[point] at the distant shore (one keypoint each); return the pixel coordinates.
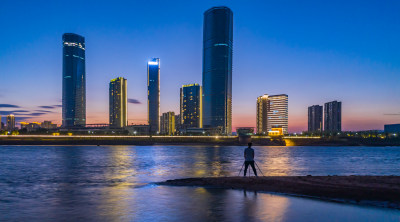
(193, 140)
(380, 191)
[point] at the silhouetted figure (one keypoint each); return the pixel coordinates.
(249, 159)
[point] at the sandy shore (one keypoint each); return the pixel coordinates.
(382, 191)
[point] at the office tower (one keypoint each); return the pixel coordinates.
(168, 123)
(272, 114)
(191, 106)
(118, 103)
(10, 122)
(262, 115)
(153, 95)
(315, 118)
(217, 69)
(74, 81)
(333, 116)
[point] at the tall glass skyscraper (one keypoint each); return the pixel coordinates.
(118, 103)
(74, 81)
(153, 94)
(217, 69)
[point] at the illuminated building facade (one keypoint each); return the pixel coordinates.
(272, 114)
(118, 103)
(74, 81)
(153, 95)
(333, 117)
(168, 123)
(191, 106)
(217, 69)
(262, 115)
(10, 122)
(315, 118)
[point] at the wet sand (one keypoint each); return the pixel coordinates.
(382, 191)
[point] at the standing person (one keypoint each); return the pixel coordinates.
(249, 159)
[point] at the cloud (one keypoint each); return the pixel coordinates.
(43, 111)
(50, 107)
(13, 112)
(36, 114)
(134, 101)
(8, 106)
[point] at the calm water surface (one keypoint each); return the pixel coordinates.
(114, 183)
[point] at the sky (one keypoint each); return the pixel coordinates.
(314, 51)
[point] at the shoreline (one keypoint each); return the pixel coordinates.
(377, 191)
(192, 140)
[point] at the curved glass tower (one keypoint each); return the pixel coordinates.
(74, 81)
(217, 69)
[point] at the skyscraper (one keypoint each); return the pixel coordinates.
(10, 122)
(315, 118)
(118, 107)
(168, 123)
(272, 114)
(333, 116)
(262, 114)
(74, 81)
(191, 106)
(217, 69)
(153, 94)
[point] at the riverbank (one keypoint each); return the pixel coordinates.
(193, 140)
(381, 191)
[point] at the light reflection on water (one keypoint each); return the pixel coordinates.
(111, 183)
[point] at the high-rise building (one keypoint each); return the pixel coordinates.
(262, 114)
(315, 118)
(74, 81)
(168, 123)
(118, 103)
(272, 114)
(153, 95)
(191, 106)
(10, 122)
(333, 116)
(217, 69)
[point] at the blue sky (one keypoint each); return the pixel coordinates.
(314, 51)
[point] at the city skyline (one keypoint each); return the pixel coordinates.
(358, 67)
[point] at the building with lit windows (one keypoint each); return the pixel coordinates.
(262, 115)
(272, 114)
(74, 81)
(10, 122)
(168, 123)
(333, 117)
(217, 69)
(153, 95)
(191, 106)
(118, 103)
(315, 119)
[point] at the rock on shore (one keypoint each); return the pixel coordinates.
(383, 191)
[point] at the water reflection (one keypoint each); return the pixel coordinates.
(111, 183)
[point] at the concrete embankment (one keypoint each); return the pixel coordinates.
(382, 191)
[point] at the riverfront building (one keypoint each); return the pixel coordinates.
(168, 123)
(153, 95)
(191, 106)
(217, 69)
(74, 81)
(272, 114)
(10, 122)
(118, 103)
(333, 116)
(315, 118)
